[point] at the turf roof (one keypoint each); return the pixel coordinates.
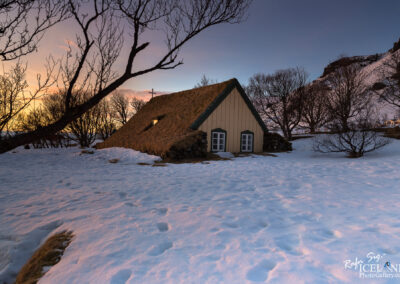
(178, 114)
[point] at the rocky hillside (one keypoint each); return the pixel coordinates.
(370, 64)
(373, 67)
(346, 61)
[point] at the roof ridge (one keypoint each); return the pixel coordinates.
(198, 88)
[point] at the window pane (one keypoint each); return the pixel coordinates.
(215, 135)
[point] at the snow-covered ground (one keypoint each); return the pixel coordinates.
(295, 218)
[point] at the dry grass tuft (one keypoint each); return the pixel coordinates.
(266, 154)
(113, 161)
(158, 164)
(90, 152)
(202, 160)
(49, 254)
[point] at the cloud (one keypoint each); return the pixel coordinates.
(68, 45)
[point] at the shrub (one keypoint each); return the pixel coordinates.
(355, 143)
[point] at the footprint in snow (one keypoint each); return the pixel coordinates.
(160, 249)
(162, 211)
(163, 227)
(121, 277)
(130, 204)
(122, 195)
(260, 272)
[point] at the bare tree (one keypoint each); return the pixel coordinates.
(279, 97)
(120, 107)
(100, 38)
(106, 125)
(356, 141)
(23, 23)
(85, 127)
(15, 94)
(390, 80)
(205, 81)
(351, 111)
(35, 118)
(12, 99)
(315, 113)
(137, 104)
(349, 95)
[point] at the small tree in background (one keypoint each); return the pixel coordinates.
(137, 104)
(119, 104)
(280, 97)
(349, 96)
(107, 124)
(315, 113)
(84, 128)
(389, 90)
(355, 142)
(352, 116)
(205, 81)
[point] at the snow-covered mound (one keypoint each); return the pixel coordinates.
(226, 155)
(125, 156)
(295, 218)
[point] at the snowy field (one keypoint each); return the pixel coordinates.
(295, 218)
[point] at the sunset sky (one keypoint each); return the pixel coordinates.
(276, 35)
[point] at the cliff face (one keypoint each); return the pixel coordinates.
(370, 65)
(346, 61)
(374, 68)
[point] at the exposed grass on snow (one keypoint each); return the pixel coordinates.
(393, 132)
(208, 157)
(49, 254)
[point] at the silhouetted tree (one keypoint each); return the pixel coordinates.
(315, 113)
(280, 97)
(390, 78)
(205, 81)
(349, 95)
(89, 68)
(107, 124)
(357, 140)
(120, 107)
(12, 98)
(23, 23)
(137, 104)
(85, 127)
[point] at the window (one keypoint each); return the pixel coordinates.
(246, 142)
(218, 140)
(154, 121)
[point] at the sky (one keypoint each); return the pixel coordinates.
(277, 34)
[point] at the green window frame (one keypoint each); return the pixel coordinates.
(247, 141)
(218, 140)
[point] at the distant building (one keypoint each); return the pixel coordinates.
(214, 118)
